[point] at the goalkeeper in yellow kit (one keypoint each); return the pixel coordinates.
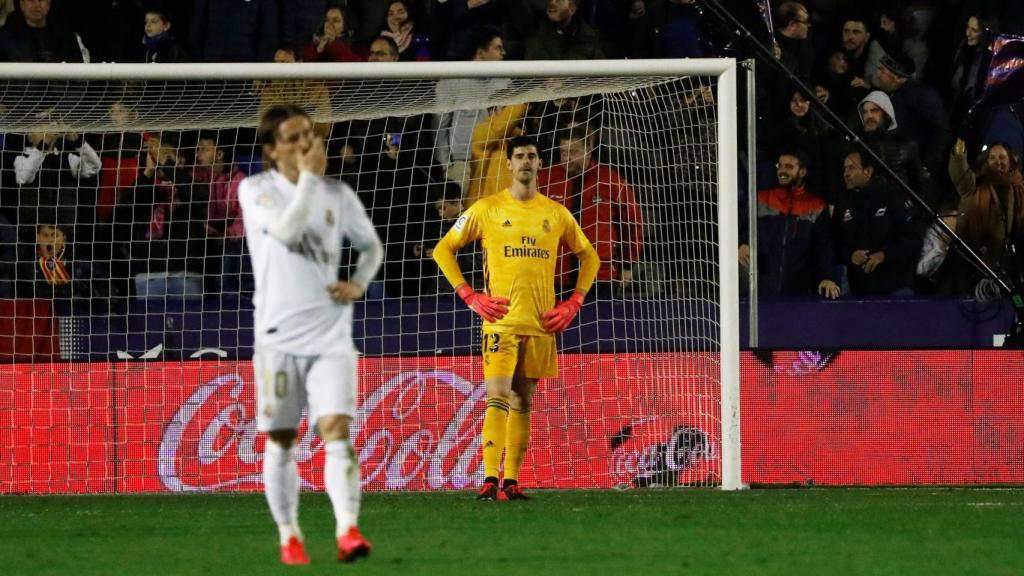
(520, 231)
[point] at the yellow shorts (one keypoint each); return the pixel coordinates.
(523, 356)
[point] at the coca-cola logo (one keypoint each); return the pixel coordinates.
(655, 451)
(418, 430)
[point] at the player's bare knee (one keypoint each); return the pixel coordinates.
(520, 402)
(283, 438)
(500, 387)
(522, 390)
(335, 427)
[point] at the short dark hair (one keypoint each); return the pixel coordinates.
(800, 156)
(160, 9)
(866, 161)
(521, 141)
(480, 38)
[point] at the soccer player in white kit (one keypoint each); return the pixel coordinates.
(295, 222)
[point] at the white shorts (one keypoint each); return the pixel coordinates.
(286, 384)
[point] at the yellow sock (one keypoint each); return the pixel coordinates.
(493, 437)
(516, 441)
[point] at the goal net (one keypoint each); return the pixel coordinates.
(125, 309)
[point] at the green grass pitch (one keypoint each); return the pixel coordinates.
(777, 531)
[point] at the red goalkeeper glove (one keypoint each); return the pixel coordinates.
(559, 317)
(490, 308)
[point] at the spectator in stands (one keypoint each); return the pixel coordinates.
(401, 26)
(901, 154)
(310, 95)
(56, 178)
(804, 130)
(795, 256)
(797, 53)
(446, 199)
(234, 30)
(52, 271)
(992, 203)
(896, 35)
(836, 78)
(454, 130)
(159, 45)
(33, 36)
(875, 234)
(224, 225)
(120, 155)
(169, 212)
(557, 34)
(488, 167)
(331, 41)
(383, 49)
(119, 158)
(604, 205)
(919, 108)
(856, 39)
(936, 272)
(549, 118)
(970, 65)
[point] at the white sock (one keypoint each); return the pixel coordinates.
(281, 485)
(341, 478)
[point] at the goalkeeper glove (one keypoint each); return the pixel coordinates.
(490, 308)
(559, 317)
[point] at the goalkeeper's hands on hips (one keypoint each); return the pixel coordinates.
(490, 308)
(559, 317)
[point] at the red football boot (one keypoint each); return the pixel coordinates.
(514, 492)
(352, 545)
(294, 552)
(490, 491)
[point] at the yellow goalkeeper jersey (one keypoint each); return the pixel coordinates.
(520, 241)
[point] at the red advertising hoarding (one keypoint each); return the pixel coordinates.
(850, 418)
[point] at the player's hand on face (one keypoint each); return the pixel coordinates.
(313, 159)
(346, 292)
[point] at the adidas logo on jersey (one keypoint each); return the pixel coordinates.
(507, 224)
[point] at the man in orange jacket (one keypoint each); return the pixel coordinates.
(605, 206)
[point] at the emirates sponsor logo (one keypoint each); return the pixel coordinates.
(420, 429)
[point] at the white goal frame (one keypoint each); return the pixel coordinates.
(723, 69)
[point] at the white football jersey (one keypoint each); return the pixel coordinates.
(294, 312)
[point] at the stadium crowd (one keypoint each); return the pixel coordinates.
(88, 215)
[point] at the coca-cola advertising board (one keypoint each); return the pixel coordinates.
(608, 420)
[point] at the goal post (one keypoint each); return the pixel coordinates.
(650, 373)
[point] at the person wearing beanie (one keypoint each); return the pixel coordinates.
(919, 108)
